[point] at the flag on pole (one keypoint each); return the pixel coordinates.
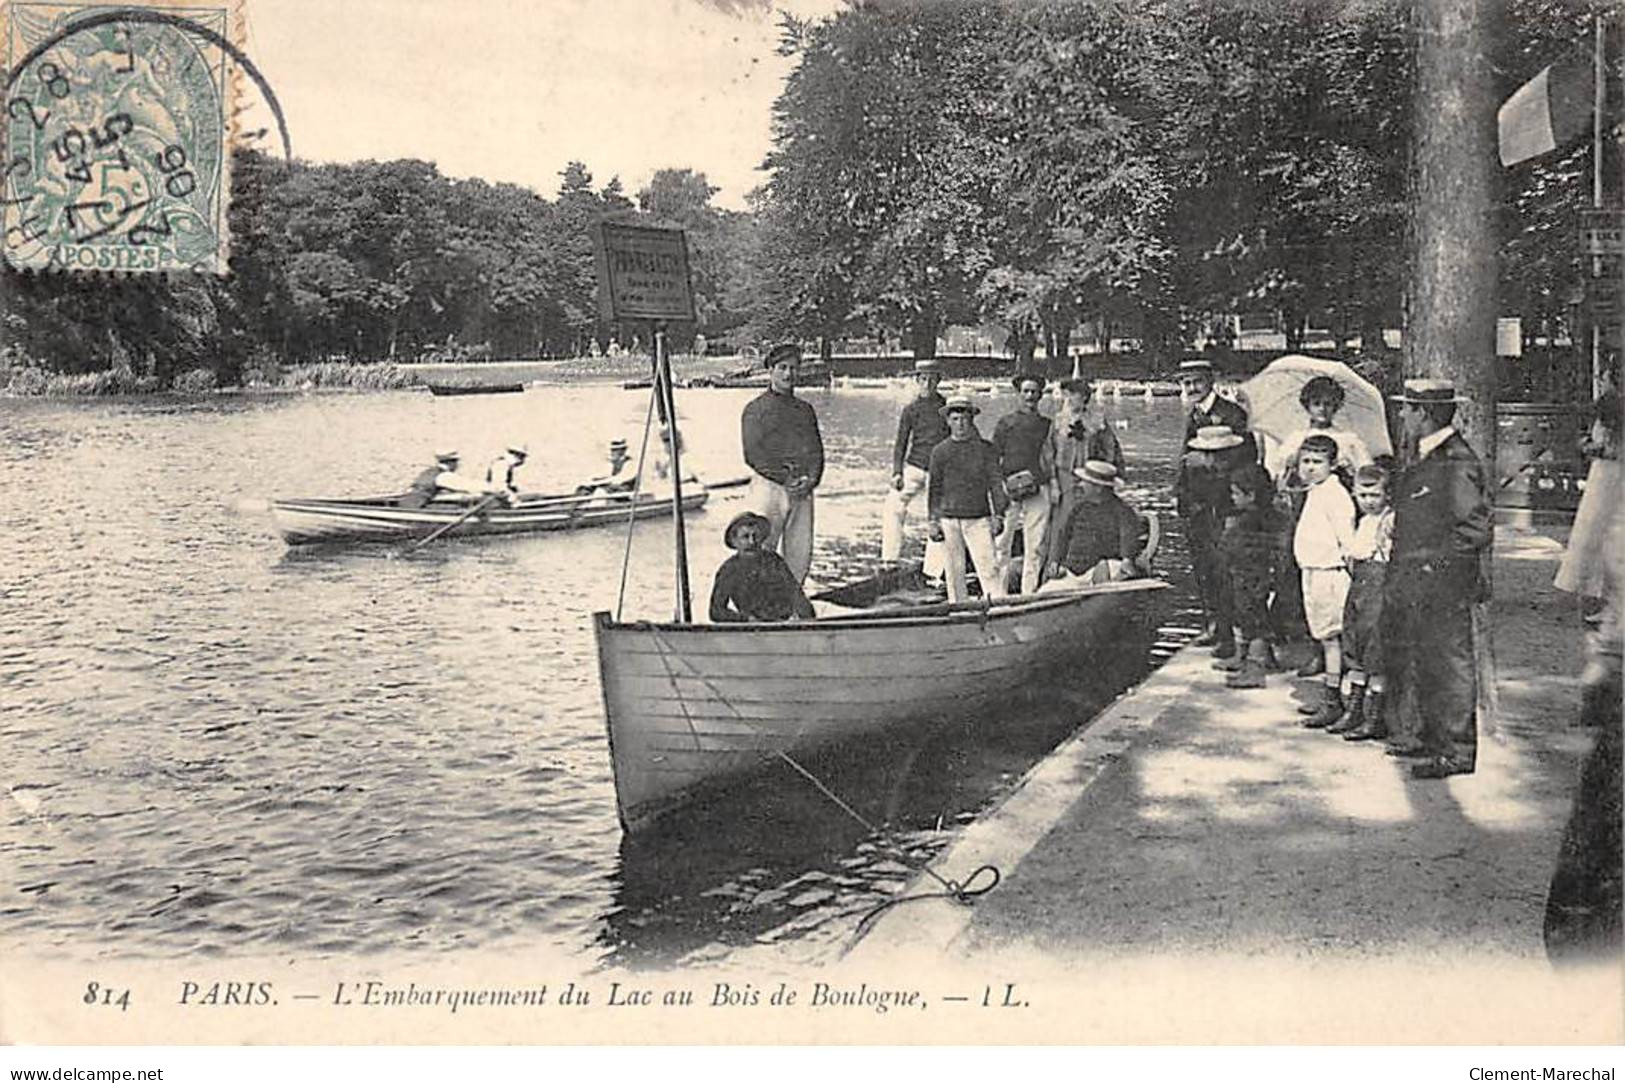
(1549, 110)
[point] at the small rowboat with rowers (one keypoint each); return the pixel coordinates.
(382, 518)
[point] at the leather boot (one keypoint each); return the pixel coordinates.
(1375, 726)
(1232, 664)
(1316, 664)
(1249, 674)
(1353, 714)
(1225, 647)
(1330, 710)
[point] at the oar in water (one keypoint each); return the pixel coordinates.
(459, 521)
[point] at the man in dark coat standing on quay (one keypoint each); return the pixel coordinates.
(1442, 521)
(785, 452)
(1209, 409)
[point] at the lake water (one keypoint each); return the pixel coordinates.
(218, 745)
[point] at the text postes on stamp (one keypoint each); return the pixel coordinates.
(117, 137)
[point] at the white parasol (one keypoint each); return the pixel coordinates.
(1274, 409)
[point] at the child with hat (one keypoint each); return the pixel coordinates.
(1250, 553)
(755, 584)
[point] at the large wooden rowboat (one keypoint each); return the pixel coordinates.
(302, 522)
(690, 706)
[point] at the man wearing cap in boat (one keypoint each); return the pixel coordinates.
(1101, 535)
(1442, 521)
(1080, 433)
(920, 428)
(966, 501)
(1202, 496)
(500, 473)
(785, 453)
(755, 584)
(1027, 464)
(623, 472)
(442, 481)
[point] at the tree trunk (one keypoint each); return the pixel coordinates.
(922, 334)
(1451, 328)
(1022, 343)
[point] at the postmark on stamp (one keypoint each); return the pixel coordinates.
(117, 137)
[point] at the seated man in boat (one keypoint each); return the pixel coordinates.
(623, 472)
(500, 472)
(442, 481)
(1101, 536)
(755, 584)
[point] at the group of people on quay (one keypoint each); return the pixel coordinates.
(1379, 565)
(1295, 533)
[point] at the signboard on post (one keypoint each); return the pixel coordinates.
(1602, 233)
(643, 273)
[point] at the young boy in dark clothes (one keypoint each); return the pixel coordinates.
(755, 584)
(1362, 613)
(1251, 552)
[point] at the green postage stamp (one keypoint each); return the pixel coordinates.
(117, 136)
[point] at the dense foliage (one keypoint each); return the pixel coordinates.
(1152, 166)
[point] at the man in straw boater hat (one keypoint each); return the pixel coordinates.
(1202, 497)
(1101, 535)
(1442, 530)
(1208, 406)
(920, 428)
(623, 472)
(966, 501)
(1208, 410)
(755, 584)
(1027, 464)
(500, 472)
(785, 453)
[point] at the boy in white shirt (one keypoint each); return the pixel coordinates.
(1321, 545)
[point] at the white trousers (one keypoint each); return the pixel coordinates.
(896, 514)
(975, 535)
(790, 521)
(1032, 514)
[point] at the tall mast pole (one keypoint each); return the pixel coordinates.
(667, 401)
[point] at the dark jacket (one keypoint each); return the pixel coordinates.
(423, 488)
(1442, 518)
(920, 428)
(965, 481)
(781, 438)
(1224, 412)
(1106, 530)
(757, 586)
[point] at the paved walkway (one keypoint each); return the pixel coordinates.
(1194, 823)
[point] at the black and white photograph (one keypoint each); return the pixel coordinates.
(812, 523)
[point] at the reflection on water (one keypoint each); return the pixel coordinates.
(217, 745)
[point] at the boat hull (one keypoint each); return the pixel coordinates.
(307, 522)
(475, 389)
(690, 706)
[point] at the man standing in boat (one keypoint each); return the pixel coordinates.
(1026, 460)
(785, 453)
(965, 495)
(920, 428)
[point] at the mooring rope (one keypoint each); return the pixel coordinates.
(632, 509)
(960, 891)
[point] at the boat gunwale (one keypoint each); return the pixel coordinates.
(890, 618)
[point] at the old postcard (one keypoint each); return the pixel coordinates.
(730, 522)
